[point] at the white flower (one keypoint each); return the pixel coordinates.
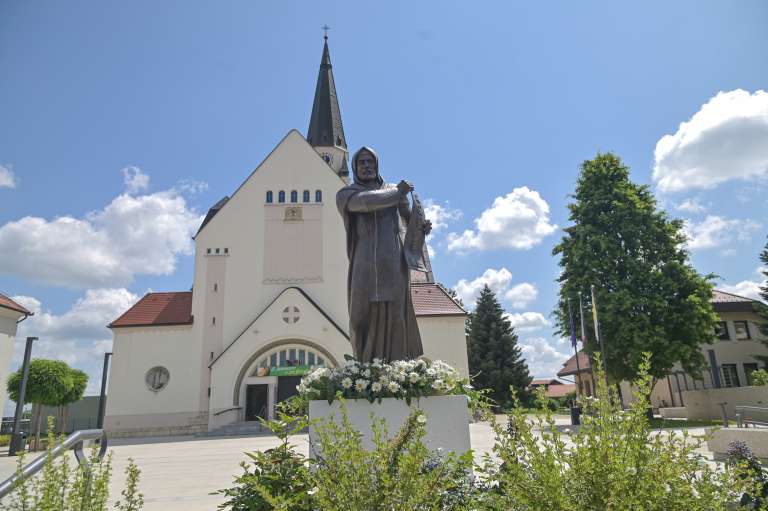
(346, 383)
(421, 419)
(367, 373)
(393, 387)
(431, 371)
(376, 386)
(360, 384)
(437, 384)
(414, 377)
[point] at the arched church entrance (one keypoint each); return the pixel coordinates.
(271, 375)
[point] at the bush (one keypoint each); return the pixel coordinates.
(614, 462)
(61, 487)
(760, 377)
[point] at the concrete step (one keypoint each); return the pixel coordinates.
(237, 429)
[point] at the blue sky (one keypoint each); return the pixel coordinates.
(471, 101)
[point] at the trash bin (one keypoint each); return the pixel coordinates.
(575, 415)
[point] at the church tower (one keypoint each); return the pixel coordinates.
(326, 133)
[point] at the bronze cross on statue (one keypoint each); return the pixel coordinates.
(325, 28)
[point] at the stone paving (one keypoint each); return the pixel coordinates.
(179, 474)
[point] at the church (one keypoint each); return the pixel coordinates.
(269, 298)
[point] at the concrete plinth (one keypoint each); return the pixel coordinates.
(755, 438)
(447, 425)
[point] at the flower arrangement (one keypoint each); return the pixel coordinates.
(402, 379)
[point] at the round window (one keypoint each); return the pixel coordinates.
(157, 378)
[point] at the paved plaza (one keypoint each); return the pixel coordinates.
(179, 474)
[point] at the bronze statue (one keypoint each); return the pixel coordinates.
(382, 322)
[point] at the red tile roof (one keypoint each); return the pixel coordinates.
(561, 390)
(725, 297)
(7, 303)
(429, 299)
(545, 381)
(569, 367)
(157, 309)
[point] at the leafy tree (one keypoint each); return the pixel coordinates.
(48, 384)
(79, 381)
(494, 356)
(762, 308)
(650, 298)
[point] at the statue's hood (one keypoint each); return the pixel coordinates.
(354, 165)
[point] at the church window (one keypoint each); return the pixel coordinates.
(157, 378)
(281, 196)
(320, 361)
(213, 321)
(291, 314)
(273, 359)
(226, 251)
(218, 250)
(215, 287)
(269, 197)
(305, 197)
(318, 196)
(282, 358)
(292, 357)
(302, 357)
(311, 358)
(208, 251)
(294, 196)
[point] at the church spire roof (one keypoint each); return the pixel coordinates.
(325, 128)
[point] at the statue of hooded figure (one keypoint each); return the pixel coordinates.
(382, 322)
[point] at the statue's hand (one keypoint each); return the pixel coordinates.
(427, 227)
(404, 187)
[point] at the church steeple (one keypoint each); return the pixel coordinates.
(326, 132)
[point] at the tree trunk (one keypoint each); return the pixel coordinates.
(38, 418)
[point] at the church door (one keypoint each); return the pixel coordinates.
(256, 401)
(286, 387)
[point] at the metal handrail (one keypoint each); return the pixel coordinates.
(74, 441)
(231, 409)
(742, 422)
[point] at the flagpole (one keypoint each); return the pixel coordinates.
(603, 354)
(575, 344)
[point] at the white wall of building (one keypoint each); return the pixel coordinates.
(131, 403)
(443, 339)
(8, 325)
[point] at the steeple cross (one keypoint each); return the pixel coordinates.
(325, 28)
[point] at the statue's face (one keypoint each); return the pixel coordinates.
(366, 167)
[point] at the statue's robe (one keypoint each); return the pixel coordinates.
(382, 322)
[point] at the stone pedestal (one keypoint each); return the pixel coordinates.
(447, 425)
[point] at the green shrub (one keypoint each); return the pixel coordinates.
(613, 462)
(60, 486)
(760, 377)
(5, 440)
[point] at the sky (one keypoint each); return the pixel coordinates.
(121, 123)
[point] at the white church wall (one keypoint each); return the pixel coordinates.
(8, 325)
(270, 330)
(443, 339)
(240, 227)
(131, 403)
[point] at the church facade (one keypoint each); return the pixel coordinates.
(268, 301)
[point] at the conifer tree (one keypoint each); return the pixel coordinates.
(494, 356)
(762, 308)
(650, 298)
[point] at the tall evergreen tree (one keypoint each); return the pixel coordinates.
(494, 355)
(650, 298)
(762, 308)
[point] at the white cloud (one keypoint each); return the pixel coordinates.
(692, 206)
(521, 295)
(499, 281)
(133, 235)
(78, 336)
(519, 220)
(748, 288)
(544, 360)
(135, 180)
(528, 321)
(717, 232)
(7, 177)
(440, 215)
(726, 139)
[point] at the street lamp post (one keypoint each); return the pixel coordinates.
(17, 442)
(103, 395)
